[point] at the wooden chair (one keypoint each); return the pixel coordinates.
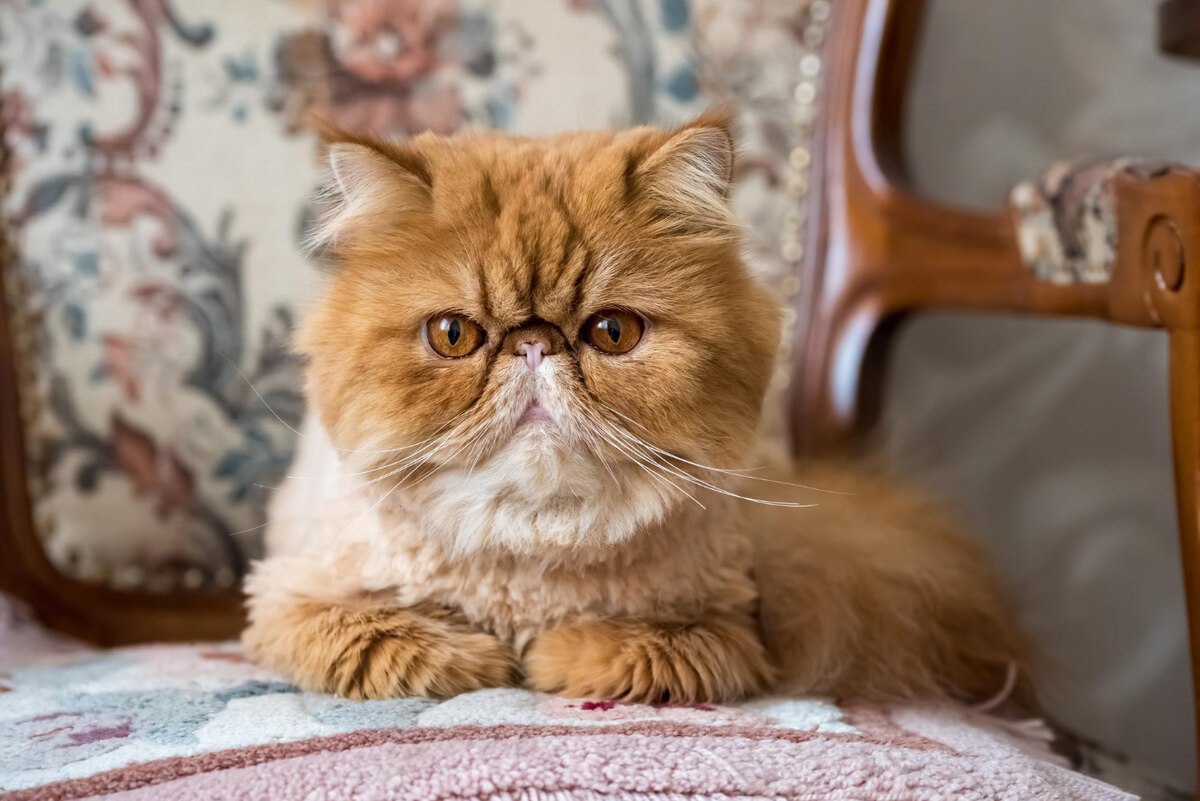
(879, 251)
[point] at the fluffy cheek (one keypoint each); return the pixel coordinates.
(685, 395)
(387, 394)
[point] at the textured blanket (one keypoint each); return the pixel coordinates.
(199, 722)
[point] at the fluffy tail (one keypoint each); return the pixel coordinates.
(874, 593)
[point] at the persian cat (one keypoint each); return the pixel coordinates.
(531, 367)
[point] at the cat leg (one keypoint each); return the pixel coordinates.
(360, 646)
(714, 659)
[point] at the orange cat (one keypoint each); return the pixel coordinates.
(530, 361)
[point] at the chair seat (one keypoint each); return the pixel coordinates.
(200, 721)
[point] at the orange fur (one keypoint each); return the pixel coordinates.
(368, 649)
(574, 542)
(876, 593)
(712, 659)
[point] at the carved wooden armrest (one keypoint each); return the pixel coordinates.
(1128, 226)
(877, 250)
(1067, 221)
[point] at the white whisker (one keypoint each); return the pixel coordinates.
(636, 442)
(376, 469)
(438, 467)
(647, 467)
(738, 473)
(254, 389)
(285, 424)
(248, 530)
(599, 455)
(371, 508)
(412, 460)
(401, 480)
(436, 431)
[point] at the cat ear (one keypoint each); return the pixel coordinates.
(366, 175)
(370, 182)
(691, 173)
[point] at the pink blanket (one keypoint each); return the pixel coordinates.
(199, 721)
(633, 760)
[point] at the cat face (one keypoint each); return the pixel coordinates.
(527, 341)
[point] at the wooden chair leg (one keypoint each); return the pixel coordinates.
(1185, 418)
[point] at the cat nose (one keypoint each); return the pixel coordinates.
(533, 353)
(535, 342)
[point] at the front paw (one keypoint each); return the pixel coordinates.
(717, 660)
(365, 651)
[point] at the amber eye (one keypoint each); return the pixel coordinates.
(453, 335)
(613, 331)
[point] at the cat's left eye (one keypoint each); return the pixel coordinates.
(453, 336)
(613, 331)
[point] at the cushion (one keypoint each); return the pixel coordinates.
(1066, 220)
(162, 164)
(179, 722)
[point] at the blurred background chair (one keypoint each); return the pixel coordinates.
(158, 168)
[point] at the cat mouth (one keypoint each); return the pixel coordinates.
(535, 413)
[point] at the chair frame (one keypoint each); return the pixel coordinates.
(880, 251)
(93, 612)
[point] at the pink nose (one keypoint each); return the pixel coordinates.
(535, 342)
(533, 353)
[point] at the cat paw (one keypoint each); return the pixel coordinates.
(374, 652)
(718, 660)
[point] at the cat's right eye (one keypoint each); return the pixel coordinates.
(453, 336)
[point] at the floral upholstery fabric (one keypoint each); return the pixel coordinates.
(162, 160)
(1066, 223)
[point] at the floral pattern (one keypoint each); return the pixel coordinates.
(163, 158)
(1066, 223)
